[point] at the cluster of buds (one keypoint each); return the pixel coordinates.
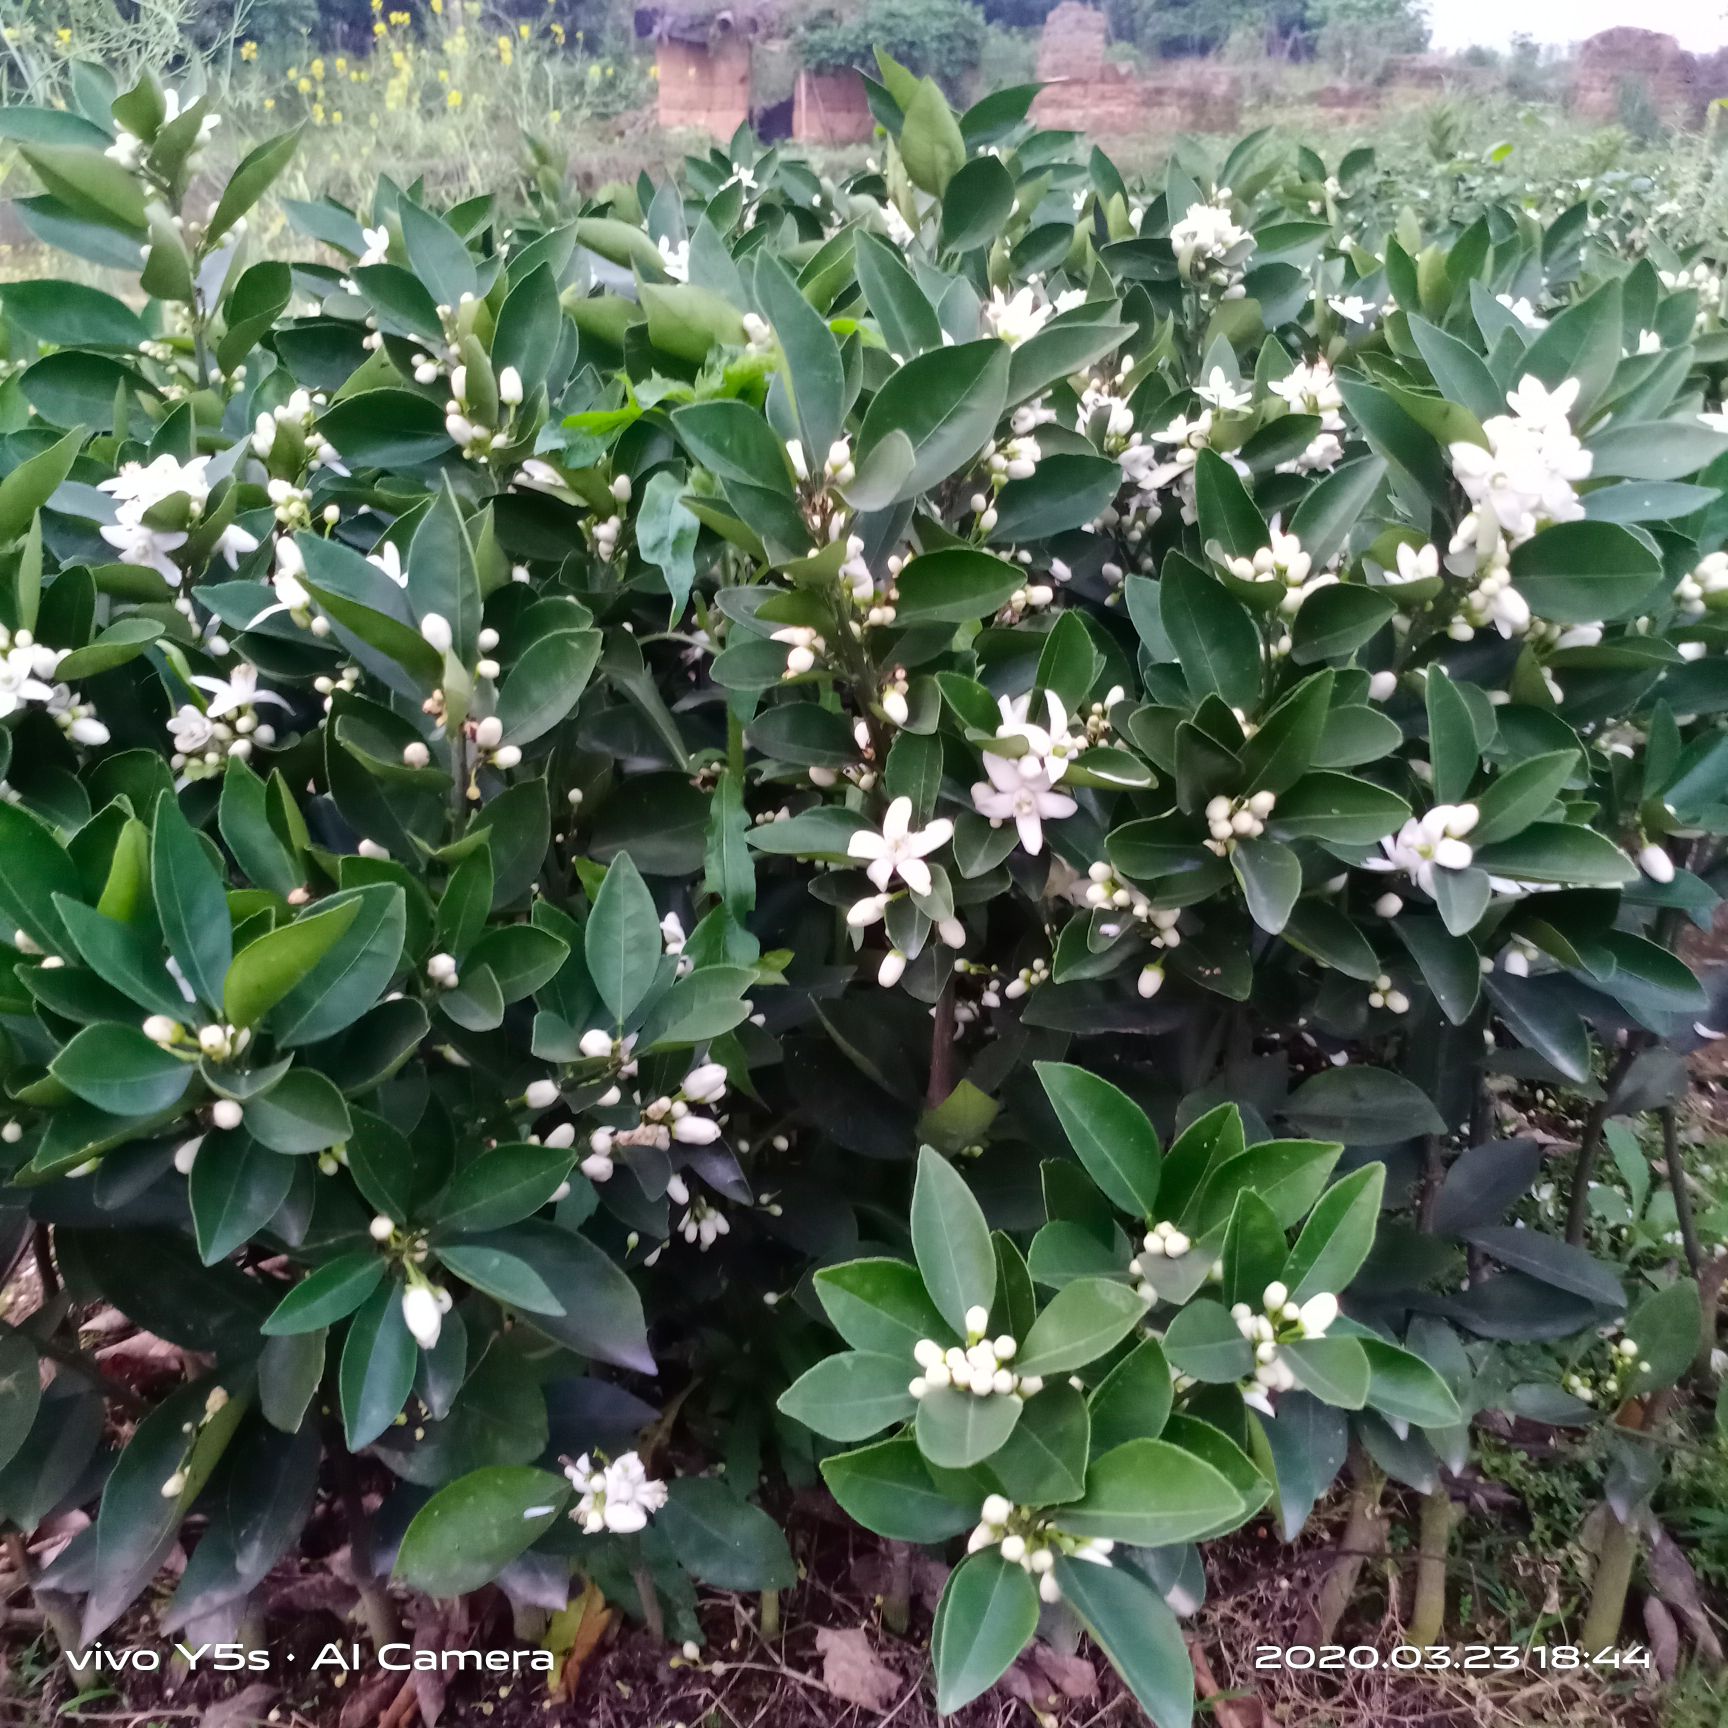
(424, 1306)
(1285, 563)
(1211, 247)
(287, 439)
(1280, 1322)
(292, 504)
(1096, 719)
(1027, 979)
(838, 468)
(981, 1368)
(1383, 995)
(480, 407)
(1493, 602)
(27, 675)
(441, 971)
(1028, 1541)
(1706, 589)
(130, 150)
(203, 741)
(703, 1224)
(1162, 1242)
(1104, 413)
(215, 1402)
(803, 646)
(1033, 597)
(661, 1121)
(1106, 891)
(894, 693)
(218, 1041)
(1606, 1387)
(1228, 821)
(488, 736)
(1014, 458)
(603, 533)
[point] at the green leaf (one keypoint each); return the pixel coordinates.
(951, 1241)
(977, 205)
(499, 1186)
(1110, 1135)
(887, 1489)
(470, 1530)
(1519, 794)
(20, 1392)
(1132, 1401)
(959, 1429)
(1562, 852)
(36, 867)
(352, 974)
(1363, 1106)
(1139, 1635)
(722, 1540)
(1271, 878)
(1449, 964)
(302, 1112)
(666, 534)
(71, 315)
(1333, 1369)
(547, 682)
(190, 901)
(95, 187)
(621, 941)
(118, 1069)
(816, 378)
(1404, 1387)
(947, 403)
(1150, 1493)
(443, 577)
(987, 1616)
(326, 1294)
(1665, 1325)
(1204, 1342)
(237, 1187)
(259, 169)
(378, 1362)
(955, 586)
(1043, 1462)
(1336, 1239)
(930, 141)
(881, 1306)
(264, 971)
(1084, 1320)
(1214, 636)
(907, 320)
(850, 1396)
(1580, 572)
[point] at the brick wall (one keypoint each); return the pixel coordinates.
(830, 108)
(704, 87)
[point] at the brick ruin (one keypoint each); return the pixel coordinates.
(705, 70)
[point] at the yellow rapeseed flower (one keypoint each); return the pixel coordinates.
(317, 113)
(318, 69)
(269, 103)
(380, 28)
(557, 30)
(506, 53)
(336, 118)
(654, 71)
(65, 36)
(443, 75)
(248, 50)
(341, 62)
(453, 99)
(377, 5)
(293, 71)
(304, 86)
(437, 8)
(522, 31)
(401, 18)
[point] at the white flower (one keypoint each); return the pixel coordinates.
(1312, 388)
(1427, 843)
(619, 1496)
(146, 547)
(238, 691)
(1415, 564)
(898, 850)
(675, 260)
(1009, 796)
(377, 245)
(1049, 748)
(1353, 309)
(388, 558)
(1221, 392)
(1018, 317)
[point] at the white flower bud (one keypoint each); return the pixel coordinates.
(162, 1029)
(893, 967)
(595, 1043)
(381, 1229)
(977, 1319)
(1654, 861)
(541, 1095)
(510, 387)
(424, 1318)
(416, 755)
(435, 628)
(225, 1113)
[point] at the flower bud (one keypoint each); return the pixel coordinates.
(542, 1095)
(424, 1318)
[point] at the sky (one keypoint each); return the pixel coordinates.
(1700, 25)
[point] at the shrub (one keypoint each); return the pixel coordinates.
(942, 39)
(994, 765)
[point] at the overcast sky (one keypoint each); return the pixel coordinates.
(1699, 24)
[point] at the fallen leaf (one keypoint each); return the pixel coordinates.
(573, 1635)
(1072, 1676)
(853, 1672)
(244, 1709)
